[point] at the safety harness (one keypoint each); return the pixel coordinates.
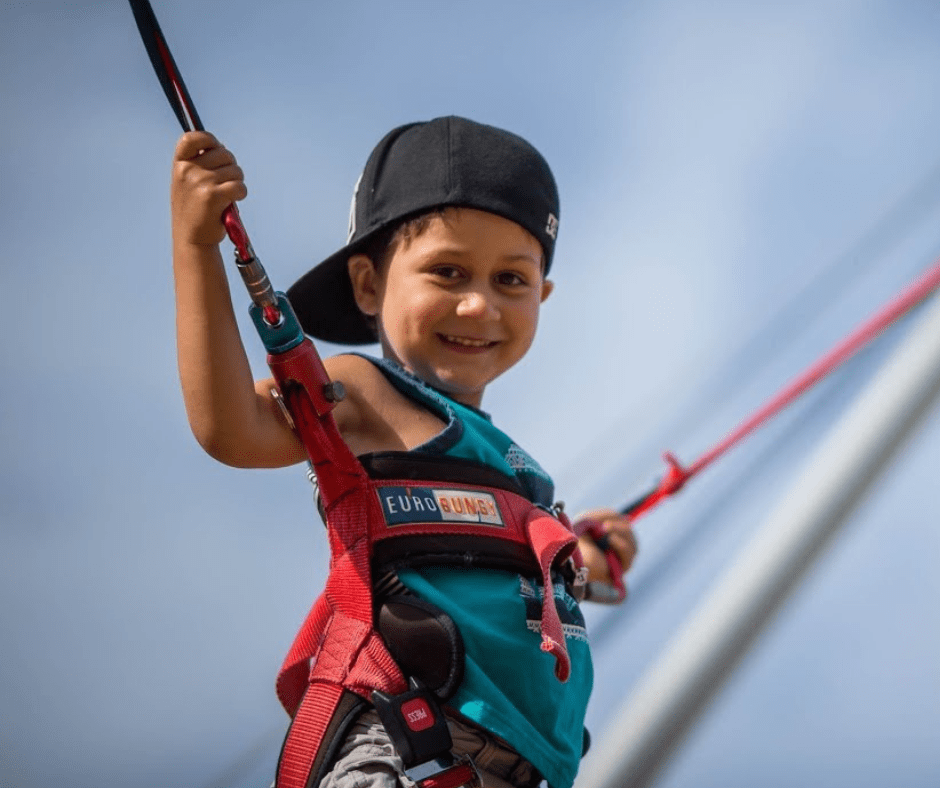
(382, 513)
(396, 513)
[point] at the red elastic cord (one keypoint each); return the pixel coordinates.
(676, 476)
(177, 85)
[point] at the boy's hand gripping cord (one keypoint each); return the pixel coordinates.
(676, 475)
(614, 592)
(253, 274)
(271, 312)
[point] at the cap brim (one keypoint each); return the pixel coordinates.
(323, 301)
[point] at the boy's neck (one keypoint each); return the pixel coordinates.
(390, 356)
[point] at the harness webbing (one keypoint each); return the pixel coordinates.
(351, 654)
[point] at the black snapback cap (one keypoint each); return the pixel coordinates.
(416, 168)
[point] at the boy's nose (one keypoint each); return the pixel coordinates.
(477, 303)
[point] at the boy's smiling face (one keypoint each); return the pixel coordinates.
(458, 304)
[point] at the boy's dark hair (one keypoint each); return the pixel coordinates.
(416, 169)
(380, 247)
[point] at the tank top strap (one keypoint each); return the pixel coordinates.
(469, 433)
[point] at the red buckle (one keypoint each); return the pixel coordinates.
(461, 773)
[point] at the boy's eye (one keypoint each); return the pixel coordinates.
(446, 271)
(510, 278)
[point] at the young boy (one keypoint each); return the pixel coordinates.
(452, 232)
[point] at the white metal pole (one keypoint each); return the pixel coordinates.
(648, 728)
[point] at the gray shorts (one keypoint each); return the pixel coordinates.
(367, 758)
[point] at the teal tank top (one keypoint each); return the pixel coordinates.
(509, 686)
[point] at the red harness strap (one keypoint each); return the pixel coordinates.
(337, 646)
(337, 650)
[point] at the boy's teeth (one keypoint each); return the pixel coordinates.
(467, 342)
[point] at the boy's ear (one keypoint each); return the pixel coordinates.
(547, 287)
(363, 278)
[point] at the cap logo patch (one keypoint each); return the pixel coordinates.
(352, 208)
(551, 226)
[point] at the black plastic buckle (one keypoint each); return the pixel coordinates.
(415, 724)
(418, 730)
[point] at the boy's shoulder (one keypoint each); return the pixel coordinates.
(375, 416)
(353, 365)
(363, 380)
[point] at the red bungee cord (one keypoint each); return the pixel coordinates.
(676, 475)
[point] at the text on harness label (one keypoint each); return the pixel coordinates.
(410, 505)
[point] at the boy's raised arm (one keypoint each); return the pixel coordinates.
(232, 421)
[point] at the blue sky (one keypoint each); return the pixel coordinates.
(713, 158)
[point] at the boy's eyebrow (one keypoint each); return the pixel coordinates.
(523, 256)
(463, 251)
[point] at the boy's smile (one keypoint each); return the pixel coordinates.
(458, 304)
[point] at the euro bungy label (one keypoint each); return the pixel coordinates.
(410, 505)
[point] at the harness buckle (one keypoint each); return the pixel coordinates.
(418, 730)
(285, 412)
(446, 772)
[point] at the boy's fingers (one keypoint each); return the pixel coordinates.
(624, 545)
(594, 560)
(214, 158)
(192, 142)
(619, 536)
(230, 182)
(230, 172)
(607, 530)
(198, 177)
(232, 191)
(239, 191)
